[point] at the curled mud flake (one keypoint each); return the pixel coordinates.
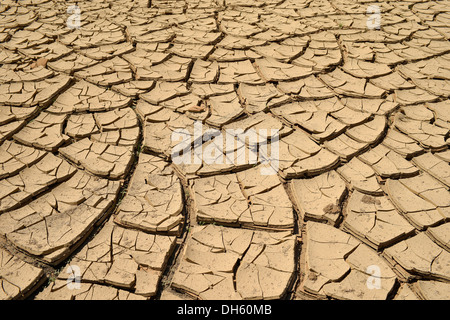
(18, 279)
(166, 146)
(124, 259)
(423, 200)
(154, 200)
(53, 225)
(337, 265)
(412, 262)
(210, 274)
(319, 198)
(375, 221)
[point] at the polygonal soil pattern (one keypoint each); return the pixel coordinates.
(94, 119)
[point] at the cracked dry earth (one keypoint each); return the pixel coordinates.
(359, 207)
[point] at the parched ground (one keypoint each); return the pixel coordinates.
(359, 207)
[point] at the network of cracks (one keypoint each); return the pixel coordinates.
(92, 205)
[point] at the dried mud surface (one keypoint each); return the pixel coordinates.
(359, 207)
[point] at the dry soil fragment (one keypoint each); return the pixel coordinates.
(345, 147)
(9, 129)
(444, 155)
(224, 109)
(148, 31)
(441, 114)
(190, 104)
(164, 91)
(319, 198)
(392, 81)
(405, 293)
(100, 158)
(370, 132)
(280, 52)
(107, 73)
(188, 36)
(307, 88)
(434, 86)
(33, 93)
(358, 50)
(116, 119)
(134, 88)
(220, 199)
(260, 98)
(339, 267)
(322, 53)
(221, 152)
(10, 114)
(81, 125)
(418, 112)
(107, 51)
(204, 72)
(83, 38)
(436, 167)
(238, 28)
(192, 50)
(360, 177)
(173, 69)
(419, 256)
(23, 73)
(314, 116)
(15, 157)
(159, 125)
(423, 200)
(238, 72)
(432, 290)
(210, 264)
(52, 226)
(375, 221)
(123, 258)
(142, 58)
(263, 125)
(413, 96)
(369, 279)
(233, 43)
(152, 38)
(273, 70)
(387, 163)
(7, 56)
(84, 96)
(154, 200)
(268, 199)
(17, 278)
(402, 144)
(21, 188)
(428, 135)
(230, 55)
(300, 156)
(288, 25)
(364, 69)
(202, 19)
(117, 127)
(71, 63)
(127, 137)
(440, 235)
(59, 290)
(14, 16)
(25, 39)
(247, 198)
(420, 49)
(345, 84)
(435, 68)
